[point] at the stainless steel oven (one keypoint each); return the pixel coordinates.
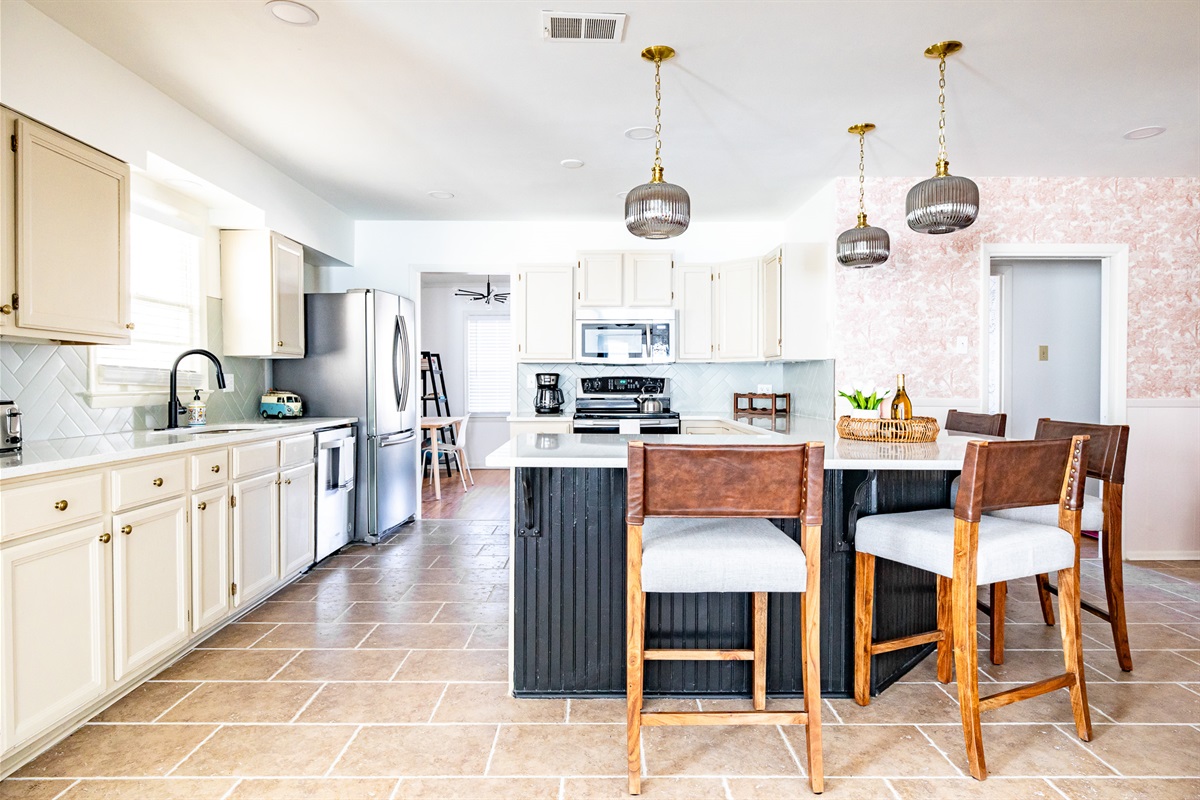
(609, 404)
(625, 335)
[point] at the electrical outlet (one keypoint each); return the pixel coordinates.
(764, 388)
(1043, 352)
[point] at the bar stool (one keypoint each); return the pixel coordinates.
(968, 422)
(963, 547)
(697, 521)
(1107, 446)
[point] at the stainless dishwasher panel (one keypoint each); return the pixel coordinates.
(335, 488)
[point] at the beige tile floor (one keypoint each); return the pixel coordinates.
(382, 675)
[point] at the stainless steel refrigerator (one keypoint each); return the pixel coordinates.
(359, 361)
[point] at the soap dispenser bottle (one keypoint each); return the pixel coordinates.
(196, 410)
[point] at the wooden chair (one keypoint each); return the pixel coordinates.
(1107, 446)
(697, 521)
(984, 424)
(964, 546)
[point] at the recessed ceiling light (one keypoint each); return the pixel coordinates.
(1146, 132)
(571, 163)
(641, 132)
(292, 13)
(441, 195)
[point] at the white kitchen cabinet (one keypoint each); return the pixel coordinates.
(547, 425)
(53, 627)
(543, 318)
(64, 238)
(150, 584)
(737, 310)
(694, 302)
(806, 301)
(624, 279)
(210, 557)
(255, 519)
(297, 518)
(772, 306)
(262, 286)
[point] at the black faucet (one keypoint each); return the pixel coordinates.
(174, 409)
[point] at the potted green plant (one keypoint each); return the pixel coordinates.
(865, 406)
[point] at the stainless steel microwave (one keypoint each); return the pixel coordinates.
(625, 335)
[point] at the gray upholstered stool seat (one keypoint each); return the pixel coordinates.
(727, 554)
(1008, 548)
(1091, 520)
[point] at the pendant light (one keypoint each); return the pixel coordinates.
(863, 245)
(945, 203)
(657, 210)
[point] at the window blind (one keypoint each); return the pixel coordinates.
(490, 365)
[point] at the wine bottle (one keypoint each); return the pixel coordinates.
(901, 405)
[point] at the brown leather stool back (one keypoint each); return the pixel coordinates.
(999, 475)
(1107, 445)
(985, 424)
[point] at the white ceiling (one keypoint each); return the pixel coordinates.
(382, 102)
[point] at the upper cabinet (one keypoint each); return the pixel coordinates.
(693, 302)
(624, 279)
(770, 287)
(542, 315)
(261, 272)
(737, 332)
(64, 238)
(805, 300)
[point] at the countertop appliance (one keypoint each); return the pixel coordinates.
(10, 427)
(610, 405)
(359, 361)
(625, 335)
(549, 398)
(335, 488)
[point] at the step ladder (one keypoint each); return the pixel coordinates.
(433, 390)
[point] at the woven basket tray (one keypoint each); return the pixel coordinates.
(917, 429)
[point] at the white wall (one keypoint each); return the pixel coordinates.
(48, 73)
(1162, 490)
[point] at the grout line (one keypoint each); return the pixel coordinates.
(399, 666)
(467, 643)
(1055, 788)
(395, 793)
(342, 752)
(177, 702)
(435, 614)
(562, 788)
(363, 640)
(791, 750)
(64, 791)
(192, 752)
(438, 704)
(307, 703)
(1074, 738)
(934, 745)
(727, 788)
(895, 794)
(259, 639)
(285, 664)
(231, 789)
(833, 711)
(568, 719)
(488, 766)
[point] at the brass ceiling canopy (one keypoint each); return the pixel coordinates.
(659, 52)
(942, 49)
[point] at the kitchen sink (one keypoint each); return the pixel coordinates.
(207, 430)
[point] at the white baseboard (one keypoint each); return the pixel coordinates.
(1162, 555)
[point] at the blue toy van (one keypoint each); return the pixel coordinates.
(280, 404)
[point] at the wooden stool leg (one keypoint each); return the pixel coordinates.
(1114, 578)
(810, 643)
(635, 654)
(760, 651)
(1072, 640)
(945, 623)
(966, 647)
(1043, 587)
(864, 602)
(999, 595)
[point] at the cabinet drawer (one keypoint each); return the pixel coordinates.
(296, 450)
(48, 504)
(210, 469)
(258, 457)
(143, 483)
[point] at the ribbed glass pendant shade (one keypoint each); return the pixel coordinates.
(942, 204)
(657, 210)
(863, 247)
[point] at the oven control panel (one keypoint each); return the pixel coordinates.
(634, 385)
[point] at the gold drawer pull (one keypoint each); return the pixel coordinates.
(216, 467)
(202, 505)
(129, 325)
(279, 343)
(61, 505)
(157, 481)
(105, 538)
(126, 529)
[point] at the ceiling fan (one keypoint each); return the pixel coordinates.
(487, 297)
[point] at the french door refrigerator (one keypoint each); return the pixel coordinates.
(359, 361)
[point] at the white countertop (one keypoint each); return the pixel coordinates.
(54, 455)
(609, 450)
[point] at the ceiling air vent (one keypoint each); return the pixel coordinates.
(559, 27)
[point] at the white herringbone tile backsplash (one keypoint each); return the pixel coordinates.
(49, 383)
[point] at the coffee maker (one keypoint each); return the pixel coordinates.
(549, 398)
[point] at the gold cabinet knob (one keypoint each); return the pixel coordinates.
(6, 308)
(126, 529)
(61, 505)
(157, 481)
(279, 343)
(216, 467)
(129, 325)
(202, 505)
(288, 481)
(105, 538)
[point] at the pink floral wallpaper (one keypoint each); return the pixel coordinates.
(908, 314)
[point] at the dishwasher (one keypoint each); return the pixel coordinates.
(335, 488)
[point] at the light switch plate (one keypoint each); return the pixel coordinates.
(1043, 352)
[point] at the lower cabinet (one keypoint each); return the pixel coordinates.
(255, 536)
(210, 557)
(297, 518)
(548, 425)
(53, 628)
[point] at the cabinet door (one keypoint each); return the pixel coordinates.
(150, 584)
(648, 279)
(694, 300)
(255, 536)
(543, 313)
(808, 269)
(297, 520)
(210, 557)
(53, 629)
(737, 311)
(287, 269)
(772, 310)
(72, 237)
(601, 279)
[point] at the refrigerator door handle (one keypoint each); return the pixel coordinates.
(400, 363)
(397, 438)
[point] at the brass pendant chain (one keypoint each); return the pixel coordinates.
(862, 212)
(657, 113)
(942, 106)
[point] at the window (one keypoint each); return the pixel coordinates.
(490, 365)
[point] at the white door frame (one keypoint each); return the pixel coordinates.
(1114, 312)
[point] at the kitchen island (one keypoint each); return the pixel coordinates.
(567, 611)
